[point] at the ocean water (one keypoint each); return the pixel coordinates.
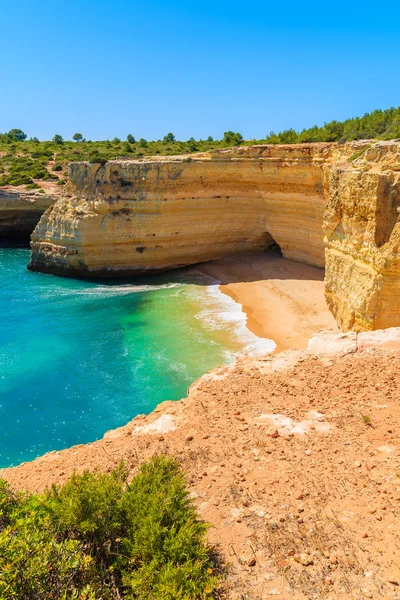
(78, 358)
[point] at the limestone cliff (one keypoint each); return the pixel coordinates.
(20, 211)
(139, 216)
(362, 277)
(128, 217)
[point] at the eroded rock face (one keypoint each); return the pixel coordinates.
(129, 217)
(20, 211)
(361, 224)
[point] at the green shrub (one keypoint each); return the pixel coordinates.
(21, 170)
(42, 154)
(358, 154)
(97, 158)
(100, 538)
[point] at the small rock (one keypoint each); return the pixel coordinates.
(274, 435)
(357, 463)
(251, 562)
(304, 559)
(308, 452)
(393, 580)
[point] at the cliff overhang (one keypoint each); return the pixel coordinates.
(20, 212)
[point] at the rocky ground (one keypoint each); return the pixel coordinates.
(293, 460)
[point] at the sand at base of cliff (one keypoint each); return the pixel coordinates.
(283, 300)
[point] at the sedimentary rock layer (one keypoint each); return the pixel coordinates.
(129, 217)
(132, 217)
(362, 277)
(20, 211)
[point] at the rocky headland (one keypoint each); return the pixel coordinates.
(324, 204)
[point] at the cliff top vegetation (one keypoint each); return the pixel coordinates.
(30, 162)
(100, 537)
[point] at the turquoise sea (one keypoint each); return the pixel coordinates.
(78, 358)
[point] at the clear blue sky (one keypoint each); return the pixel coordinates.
(106, 68)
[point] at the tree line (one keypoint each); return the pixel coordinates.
(18, 135)
(379, 124)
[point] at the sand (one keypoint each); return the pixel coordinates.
(283, 300)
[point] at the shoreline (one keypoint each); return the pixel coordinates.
(283, 300)
(249, 471)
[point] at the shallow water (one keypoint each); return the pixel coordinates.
(78, 358)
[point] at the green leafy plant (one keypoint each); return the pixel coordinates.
(358, 154)
(367, 420)
(101, 538)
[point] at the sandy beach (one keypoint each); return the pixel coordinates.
(283, 300)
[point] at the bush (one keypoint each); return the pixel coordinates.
(22, 170)
(232, 139)
(100, 538)
(97, 158)
(58, 139)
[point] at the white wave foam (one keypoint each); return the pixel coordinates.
(113, 290)
(221, 312)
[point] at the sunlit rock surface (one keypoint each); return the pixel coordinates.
(362, 277)
(130, 217)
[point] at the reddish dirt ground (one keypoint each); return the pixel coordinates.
(296, 516)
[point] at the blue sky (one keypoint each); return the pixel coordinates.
(107, 68)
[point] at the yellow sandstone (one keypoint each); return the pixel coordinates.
(129, 217)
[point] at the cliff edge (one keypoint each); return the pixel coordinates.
(130, 217)
(292, 459)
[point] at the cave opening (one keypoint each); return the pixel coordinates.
(272, 245)
(15, 239)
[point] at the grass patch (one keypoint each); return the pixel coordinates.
(101, 538)
(358, 154)
(367, 420)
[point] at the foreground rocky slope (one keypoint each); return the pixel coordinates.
(20, 211)
(293, 459)
(132, 217)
